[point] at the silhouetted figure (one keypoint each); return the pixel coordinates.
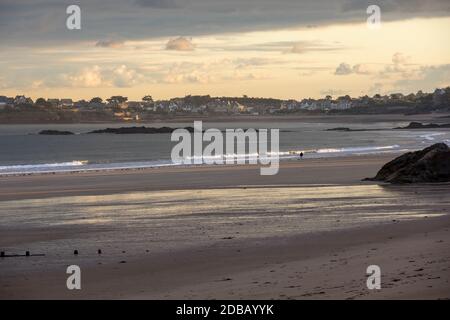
(301, 155)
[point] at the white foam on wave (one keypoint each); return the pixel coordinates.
(84, 166)
(431, 136)
(358, 149)
(75, 163)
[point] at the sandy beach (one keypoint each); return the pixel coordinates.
(342, 170)
(226, 232)
(199, 154)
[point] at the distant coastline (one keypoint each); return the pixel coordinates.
(22, 109)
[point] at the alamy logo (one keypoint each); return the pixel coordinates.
(374, 278)
(237, 142)
(73, 21)
(74, 280)
(374, 20)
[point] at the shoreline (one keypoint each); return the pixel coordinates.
(326, 118)
(321, 171)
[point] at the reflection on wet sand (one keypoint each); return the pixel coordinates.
(189, 217)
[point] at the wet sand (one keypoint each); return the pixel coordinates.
(226, 262)
(414, 258)
(342, 170)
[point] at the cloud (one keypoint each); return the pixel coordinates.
(346, 69)
(89, 77)
(242, 63)
(180, 44)
(210, 72)
(195, 76)
(398, 6)
(189, 72)
(343, 69)
(400, 64)
(239, 75)
(96, 77)
(400, 58)
(312, 46)
(125, 77)
(361, 69)
(298, 47)
(38, 22)
(115, 44)
(426, 78)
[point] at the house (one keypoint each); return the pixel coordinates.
(80, 104)
(95, 105)
(289, 105)
(135, 105)
(22, 100)
(187, 108)
(173, 107)
(342, 103)
(54, 102)
(396, 96)
(66, 103)
(5, 101)
(438, 96)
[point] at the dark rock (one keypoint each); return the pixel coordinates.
(56, 133)
(139, 130)
(431, 164)
(339, 129)
(345, 129)
(418, 125)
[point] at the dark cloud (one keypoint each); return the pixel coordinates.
(109, 44)
(34, 22)
(402, 6)
(343, 69)
(180, 44)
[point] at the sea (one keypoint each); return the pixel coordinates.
(24, 151)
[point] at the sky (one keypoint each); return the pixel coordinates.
(287, 49)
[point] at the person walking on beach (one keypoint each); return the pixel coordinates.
(301, 155)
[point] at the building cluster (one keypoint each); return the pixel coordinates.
(120, 107)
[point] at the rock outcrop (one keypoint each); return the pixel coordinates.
(418, 125)
(55, 133)
(345, 129)
(431, 164)
(139, 130)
